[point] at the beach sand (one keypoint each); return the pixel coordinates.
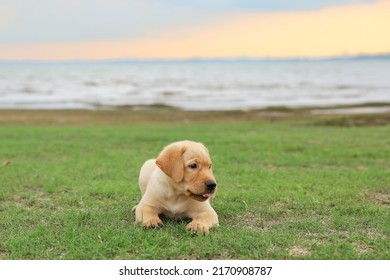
(163, 115)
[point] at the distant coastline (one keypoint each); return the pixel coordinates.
(385, 56)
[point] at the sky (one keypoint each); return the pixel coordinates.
(176, 29)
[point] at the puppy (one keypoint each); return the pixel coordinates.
(178, 184)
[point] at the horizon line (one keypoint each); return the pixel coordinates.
(207, 59)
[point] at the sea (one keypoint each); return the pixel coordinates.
(241, 84)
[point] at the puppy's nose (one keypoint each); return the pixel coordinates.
(210, 185)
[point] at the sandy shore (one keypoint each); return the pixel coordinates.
(125, 116)
(361, 115)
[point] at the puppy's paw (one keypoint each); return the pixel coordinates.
(152, 223)
(196, 227)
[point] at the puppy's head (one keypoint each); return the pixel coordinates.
(189, 165)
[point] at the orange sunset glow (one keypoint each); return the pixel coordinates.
(331, 31)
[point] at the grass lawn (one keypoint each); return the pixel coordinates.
(305, 188)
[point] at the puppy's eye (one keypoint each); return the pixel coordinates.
(193, 166)
(210, 166)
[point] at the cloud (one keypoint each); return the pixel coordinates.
(84, 20)
(355, 28)
(260, 5)
(87, 20)
(352, 28)
(7, 17)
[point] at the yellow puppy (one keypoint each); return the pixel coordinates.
(178, 184)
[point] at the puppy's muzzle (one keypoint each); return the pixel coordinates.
(210, 185)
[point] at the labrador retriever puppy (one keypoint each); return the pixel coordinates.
(178, 184)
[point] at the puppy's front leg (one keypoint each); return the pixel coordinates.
(203, 222)
(148, 216)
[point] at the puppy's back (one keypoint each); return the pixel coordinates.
(145, 174)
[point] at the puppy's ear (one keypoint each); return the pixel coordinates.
(170, 161)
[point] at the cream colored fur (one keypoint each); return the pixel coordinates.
(178, 184)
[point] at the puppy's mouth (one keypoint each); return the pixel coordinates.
(201, 197)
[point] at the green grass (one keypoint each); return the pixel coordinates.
(287, 190)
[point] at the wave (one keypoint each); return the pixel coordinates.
(195, 86)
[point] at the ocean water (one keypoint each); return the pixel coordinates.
(194, 85)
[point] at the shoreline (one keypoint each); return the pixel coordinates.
(365, 114)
